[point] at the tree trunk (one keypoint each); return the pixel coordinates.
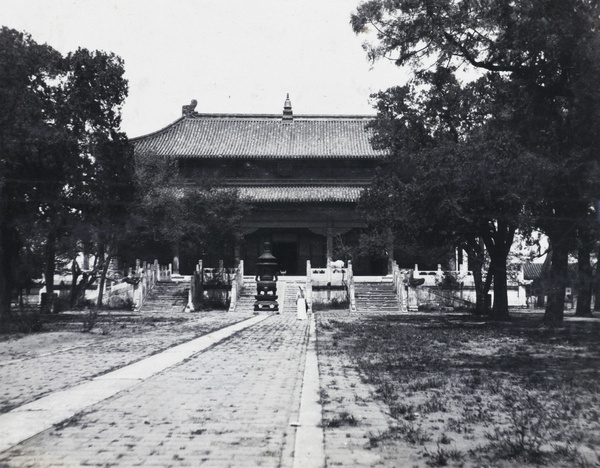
(75, 272)
(6, 274)
(500, 307)
(480, 308)
(498, 241)
(543, 280)
(105, 255)
(50, 254)
(476, 255)
(559, 269)
(596, 283)
(585, 282)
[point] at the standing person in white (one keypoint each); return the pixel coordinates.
(301, 304)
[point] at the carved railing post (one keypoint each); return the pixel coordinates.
(399, 286)
(351, 289)
(308, 286)
(412, 300)
(148, 274)
(191, 294)
(199, 284)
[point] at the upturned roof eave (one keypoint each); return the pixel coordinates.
(157, 132)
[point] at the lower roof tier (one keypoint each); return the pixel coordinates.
(301, 194)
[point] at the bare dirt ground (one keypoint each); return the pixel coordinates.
(457, 390)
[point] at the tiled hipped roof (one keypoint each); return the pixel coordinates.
(256, 136)
(302, 194)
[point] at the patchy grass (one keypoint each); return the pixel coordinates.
(340, 420)
(475, 393)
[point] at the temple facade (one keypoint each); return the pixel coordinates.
(302, 174)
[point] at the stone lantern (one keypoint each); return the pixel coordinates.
(266, 281)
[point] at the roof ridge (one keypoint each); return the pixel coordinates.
(196, 115)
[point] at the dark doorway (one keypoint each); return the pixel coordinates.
(286, 254)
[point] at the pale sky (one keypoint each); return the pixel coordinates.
(232, 56)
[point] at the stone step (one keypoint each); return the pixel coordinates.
(376, 297)
(290, 295)
(373, 294)
(166, 297)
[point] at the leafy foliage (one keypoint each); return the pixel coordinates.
(202, 219)
(63, 158)
(500, 120)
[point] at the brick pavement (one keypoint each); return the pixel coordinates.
(57, 361)
(231, 405)
(235, 404)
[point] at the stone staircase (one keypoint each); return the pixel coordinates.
(371, 297)
(167, 298)
(291, 290)
(246, 299)
(376, 297)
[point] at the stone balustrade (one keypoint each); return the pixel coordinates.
(220, 285)
(332, 283)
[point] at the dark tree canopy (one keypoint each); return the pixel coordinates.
(450, 179)
(202, 219)
(529, 88)
(59, 119)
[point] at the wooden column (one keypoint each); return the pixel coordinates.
(329, 245)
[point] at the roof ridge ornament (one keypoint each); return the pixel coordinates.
(288, 116)
(188, 110)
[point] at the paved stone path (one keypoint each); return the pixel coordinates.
(262, 397)
(56, 361)
(231, 405)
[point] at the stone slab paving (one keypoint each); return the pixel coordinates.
(235, 404)
(32, 418)
(229, 406)
(309, 450)
(39, 364)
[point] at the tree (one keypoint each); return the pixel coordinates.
(202, 219)
(26, 95)
(112, 193)
(56, 112)
(544, 53)
(456, 175)
(100, 183)
(587, 242)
